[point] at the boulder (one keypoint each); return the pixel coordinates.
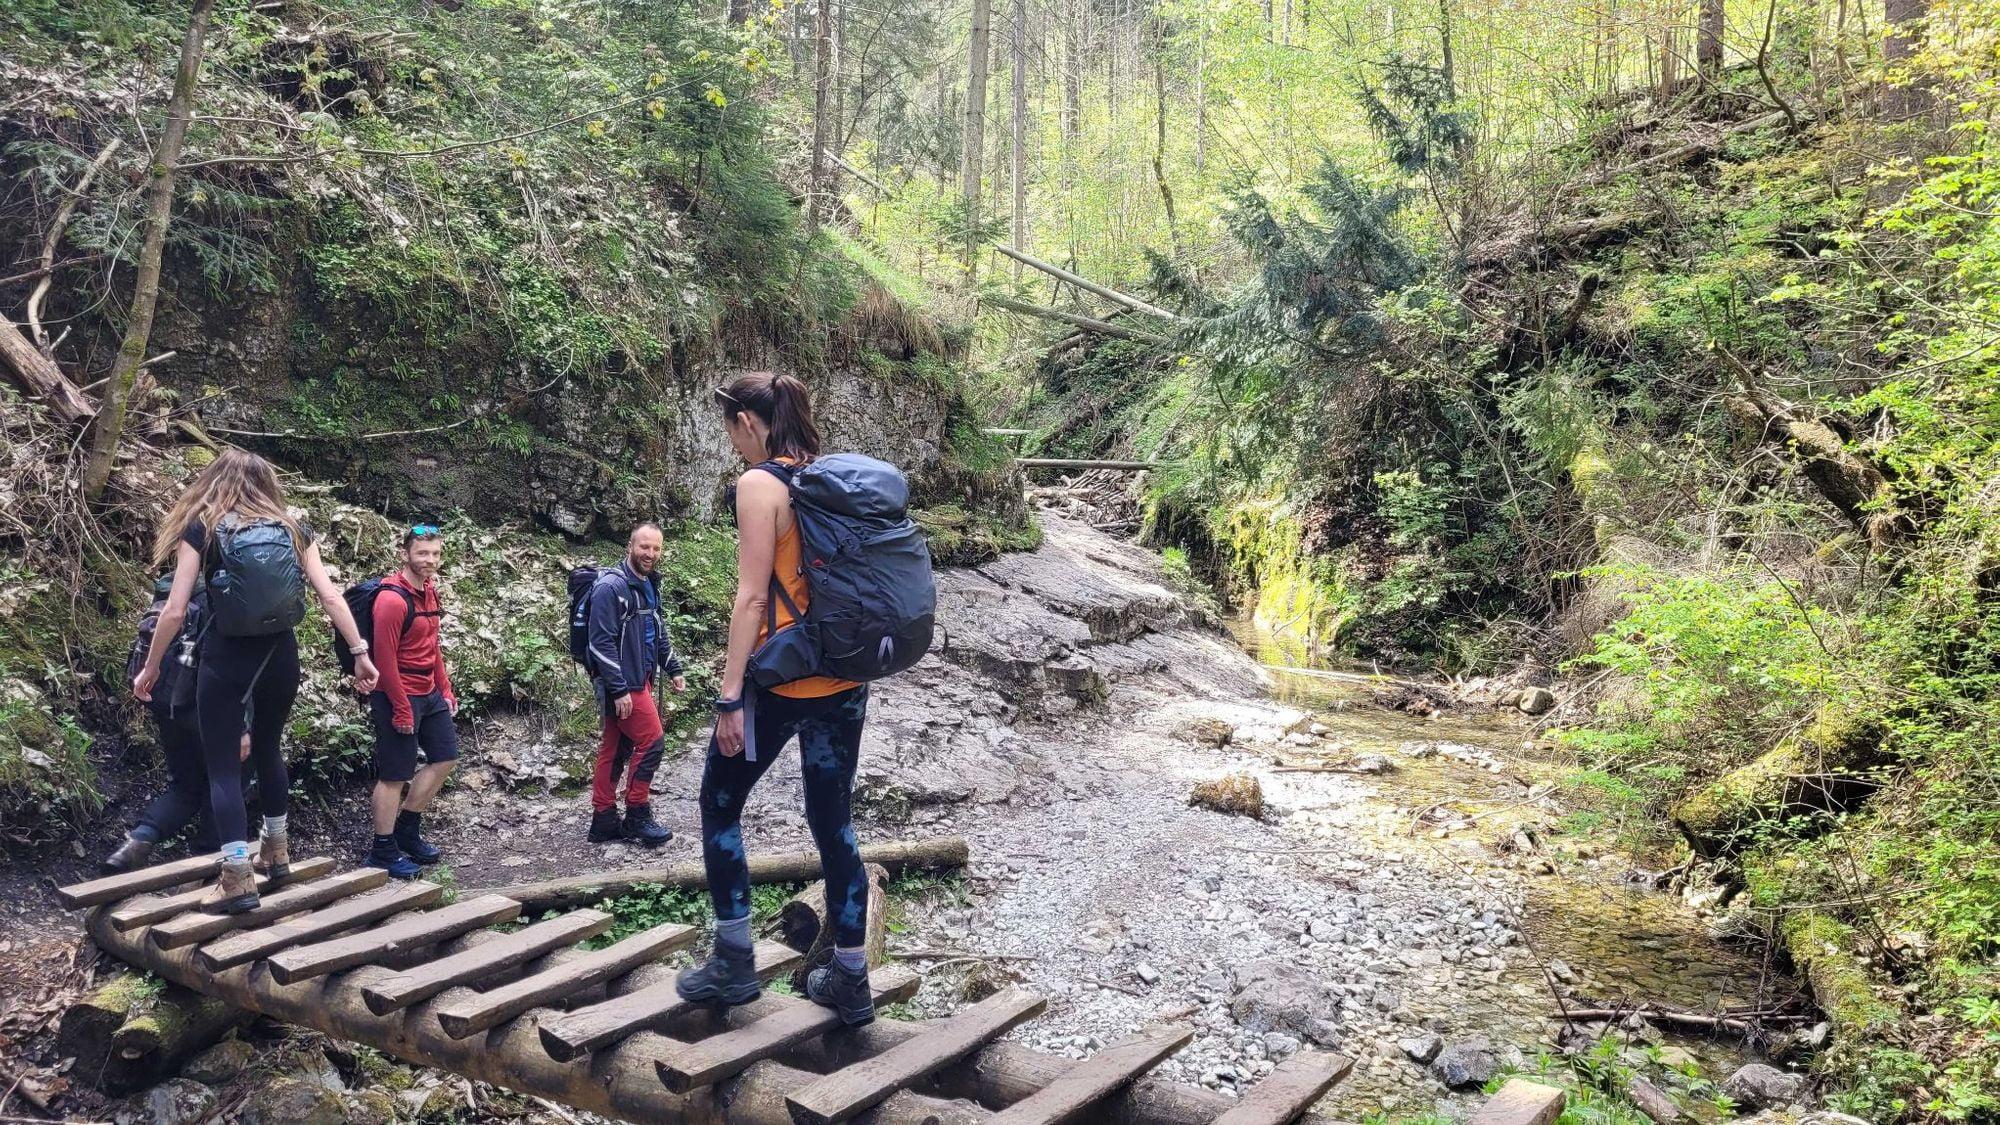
(293, 1101)
(1536, 701)
(1760, 1086)
(179, 1101)
(1465, 1065)
(220, 1063)
(1422, 1048)
(1238, 794)
(1280, 996)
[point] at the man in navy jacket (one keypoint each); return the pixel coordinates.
(628, 648)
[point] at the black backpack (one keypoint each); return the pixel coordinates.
(256, 580)
(582, 580)
(175, 687)
(867, 567)
(360, 599)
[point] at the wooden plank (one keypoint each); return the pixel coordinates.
(111, 888)
(390, 938)
(1098, 1077)
(196, 926)
(576, 1034)
(491, 1009)
(425, 981)
(850, 1091)
(687, 1066)
(1288, 1092)
(318, 926)
(147, 911)
(1520, 1102)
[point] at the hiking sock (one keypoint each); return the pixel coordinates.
(145, 834)
(411, 822)
(733, 932)
(236, 851)
(274, 826)
(385, 845)
(853, 960)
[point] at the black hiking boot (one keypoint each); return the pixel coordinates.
(642, 829)
(410, 839)
(844, 991)
(387, 855)
(729, 977)
(604, 827)
(130, 856)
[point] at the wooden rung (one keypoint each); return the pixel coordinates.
(1520, 1102)
(361, 910)
(391, 938)
(576, 1034)
(111, 888)
(687, 1066)
(851, 1090)
(490, 1009)
(147, 911)
(413, 986)
(1082, 1086)
(1288, 1092)
(196, 926)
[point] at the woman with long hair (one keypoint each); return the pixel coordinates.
(770, 419)
(231, 532)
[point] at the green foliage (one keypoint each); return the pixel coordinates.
(650, 905)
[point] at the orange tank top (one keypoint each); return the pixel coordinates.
(788, 565)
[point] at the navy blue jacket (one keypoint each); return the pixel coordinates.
(618, 635)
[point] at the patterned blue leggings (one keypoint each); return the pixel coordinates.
(829, 731)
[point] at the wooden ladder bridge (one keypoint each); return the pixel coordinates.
(436, 984)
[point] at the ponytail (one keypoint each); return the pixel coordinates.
(781, 401)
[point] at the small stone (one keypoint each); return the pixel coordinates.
(180, 1101)
(220, 1063)
(1238, 794)
(1279, 1045)
(1465, 1065)
(1371, 763)
(1422, 1048)
(1208, 732)
(1146, 973)
(1536, 701)
(1559, 969)
(1760, 1086)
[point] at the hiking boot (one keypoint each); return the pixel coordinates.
(727, 977)
(642, 829)
(386, 855)
(274, 857)
(130, 856)
(604, 827)
(844, 991)
(235, 890)
(410, 839)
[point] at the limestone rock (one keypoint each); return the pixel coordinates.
(1536, 701)
(1238, 794)
(1465, 1065)
(1276, 995)
(1423, 1049)
(1652, 1101)
(1760, 1086)
(1208, 732)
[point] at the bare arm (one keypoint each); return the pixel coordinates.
(761, 500)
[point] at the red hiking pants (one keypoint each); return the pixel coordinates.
(637, 738)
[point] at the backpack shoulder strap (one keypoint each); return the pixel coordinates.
(777, 469)
(409, 602)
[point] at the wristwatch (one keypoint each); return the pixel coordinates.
(725, 706)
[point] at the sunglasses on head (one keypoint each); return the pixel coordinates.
(725, 396)
(423, 529)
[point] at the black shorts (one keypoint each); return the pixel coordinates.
(396, 752)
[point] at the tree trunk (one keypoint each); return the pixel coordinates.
(803, 925)
(1820, 770)
(822, 96)
(1902, 25)
(130, 1033)
(1018, 165)
(978, 53)
(739, 12)
(1708, 42)
(1201, 99)
(40, 377)
(146, 284)
(1160, 135)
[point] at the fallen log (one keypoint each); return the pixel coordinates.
(131, 1033)
(896, 856)
(1823, 951)
(1686, 152)
(1728, 1021)
(802, 924)
(1075, 320)
(1084, 283)
(1822, 769)
(40, 377)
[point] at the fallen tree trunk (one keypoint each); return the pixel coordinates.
(803, 925)
(1823, 769)
(131, 1033)
(1066, 463)
(897, 856)
(1860, 488)
(1823, 951)
(1084, 283)
(1088, 324)
(40, 377)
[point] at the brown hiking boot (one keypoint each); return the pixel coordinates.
(235, 890)
(274, 858)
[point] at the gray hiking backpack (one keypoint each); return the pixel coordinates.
(256, 581)
(868, 568)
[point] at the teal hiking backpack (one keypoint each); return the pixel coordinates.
(256, 580)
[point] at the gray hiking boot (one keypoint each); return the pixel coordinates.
(728, 977)
(844, 991)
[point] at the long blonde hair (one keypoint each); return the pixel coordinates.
(238, 483)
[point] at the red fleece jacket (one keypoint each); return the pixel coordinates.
(407, 653)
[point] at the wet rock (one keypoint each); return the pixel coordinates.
(1422, 1048)
(220, 1063)
(179, 1101)
(1652, 1101)
(1208, 732)
(1280, 996)
(1238, 794)
(1462, 1066)
(1536, 701)
(1760, 1086)
(293, 1101)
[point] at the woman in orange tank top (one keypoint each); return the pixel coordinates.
(769, 418)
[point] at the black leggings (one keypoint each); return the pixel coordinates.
(829, 731)
(186, 794)
(262, 672)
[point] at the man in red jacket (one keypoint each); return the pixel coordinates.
(412, 706)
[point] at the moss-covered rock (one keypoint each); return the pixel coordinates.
(1818, 770)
